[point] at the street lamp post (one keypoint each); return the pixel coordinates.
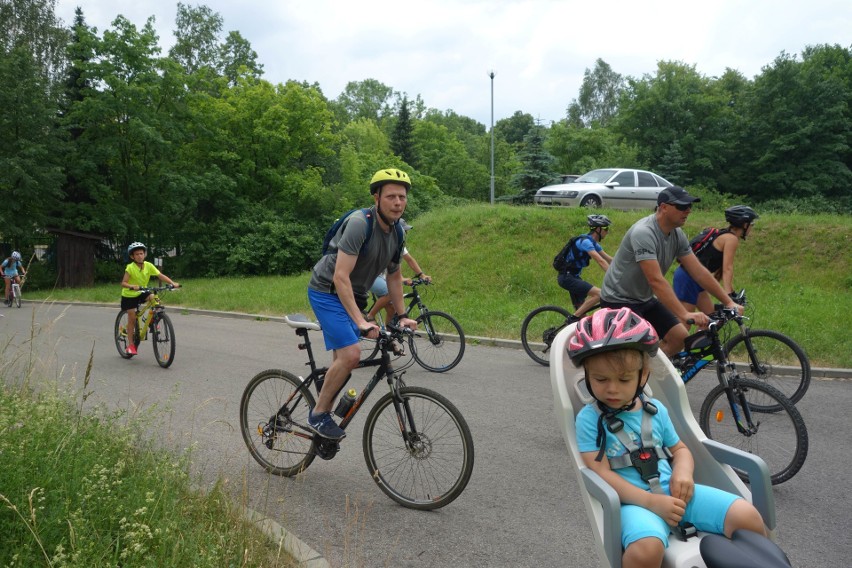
(491, 74)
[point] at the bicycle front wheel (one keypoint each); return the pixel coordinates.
(773, 358)
(163, 333)
(779, 437)
(438, 343)
(16, 291)
(419, 451)
(274, 422)
(120, 334)
(539, 330)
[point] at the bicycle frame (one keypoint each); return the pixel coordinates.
(385, 370)
(725, 370)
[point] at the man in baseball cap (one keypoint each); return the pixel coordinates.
(676, 196)
(636, 277)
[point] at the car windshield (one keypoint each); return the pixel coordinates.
(595, 176)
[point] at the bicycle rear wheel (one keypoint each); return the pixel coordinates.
(273, 420)
(429, 463)
(120, 334)
(773, 358)
(539, 330)
(163, 333)
(779, 437)
(438, 343)
(16, 292)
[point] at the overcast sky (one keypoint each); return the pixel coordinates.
(539, 49)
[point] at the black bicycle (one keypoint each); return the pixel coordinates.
(769, 356)
(438, 343)
(741, 412)
(417, 445)
(540, 328)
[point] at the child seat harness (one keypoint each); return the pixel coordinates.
(645, 457)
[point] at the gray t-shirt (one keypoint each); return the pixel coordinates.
(349, 238)
(624, 281)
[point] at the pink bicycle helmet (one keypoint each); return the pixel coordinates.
(609, 329)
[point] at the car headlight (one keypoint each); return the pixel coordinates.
(570, 194)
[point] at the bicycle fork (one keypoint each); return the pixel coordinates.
(739, 407)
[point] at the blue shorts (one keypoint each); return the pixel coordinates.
(576, 286)
(685, 288)
(338, 329)
(706, 510)
(379, 287)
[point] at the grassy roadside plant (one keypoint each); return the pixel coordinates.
(85, 489)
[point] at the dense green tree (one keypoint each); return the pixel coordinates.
(197, 31)
(578, 150)
(597, 102)
(444, 158)
(238, 59)
(31, 62)
(515, 128)
(536, 165)
(402, 141)
(365, 99)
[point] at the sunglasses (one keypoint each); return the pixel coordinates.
(681, 207)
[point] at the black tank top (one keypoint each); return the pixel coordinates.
(710, 257)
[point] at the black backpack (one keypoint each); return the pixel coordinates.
(560, 264)
(368, 212)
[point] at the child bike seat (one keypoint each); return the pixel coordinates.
(601, 501)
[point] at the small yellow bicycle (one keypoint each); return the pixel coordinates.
(150, 318)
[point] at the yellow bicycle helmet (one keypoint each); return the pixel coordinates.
(389, 175)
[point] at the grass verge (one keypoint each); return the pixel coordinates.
(86, 489)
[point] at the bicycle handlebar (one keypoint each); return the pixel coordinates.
(156, 289)
(419, 281)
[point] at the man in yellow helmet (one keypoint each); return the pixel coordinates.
(342, 278)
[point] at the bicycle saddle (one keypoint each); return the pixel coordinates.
(301, 321)
(745, 549)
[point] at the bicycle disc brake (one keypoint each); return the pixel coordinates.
(419, 446)
(325, 448)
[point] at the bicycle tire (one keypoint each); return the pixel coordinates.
(539, 330)
(121, 338)
(781, 439)
(163, 335)
(287, 447)
(773, 350)
(434, 344)
(432, 471)
(16, 292)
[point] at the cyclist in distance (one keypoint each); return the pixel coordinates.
(380, 286)
(341, 279)
(13, 269)
(636, 277)
(631, 442)
(586, 247)
(717, 256)
(137, 274)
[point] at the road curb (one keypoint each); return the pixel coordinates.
(818, 373)
(306, 556)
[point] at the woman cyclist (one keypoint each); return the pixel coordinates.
(718, 258)
(13, 269)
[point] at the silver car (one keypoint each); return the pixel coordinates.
(613, 187)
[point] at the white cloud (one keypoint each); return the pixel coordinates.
(443, 49)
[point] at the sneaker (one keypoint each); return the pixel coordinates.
(323, 425)
(131, 349)
(397, 348)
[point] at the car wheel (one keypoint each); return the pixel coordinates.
(591, 202)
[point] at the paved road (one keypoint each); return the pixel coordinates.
(521, 506)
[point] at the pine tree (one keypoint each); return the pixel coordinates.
(402, 141)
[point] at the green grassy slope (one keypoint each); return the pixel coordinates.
(491, 266)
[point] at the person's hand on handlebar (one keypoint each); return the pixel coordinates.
(369, 329)
(698, 318)
(405, 322)
(735, 306)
